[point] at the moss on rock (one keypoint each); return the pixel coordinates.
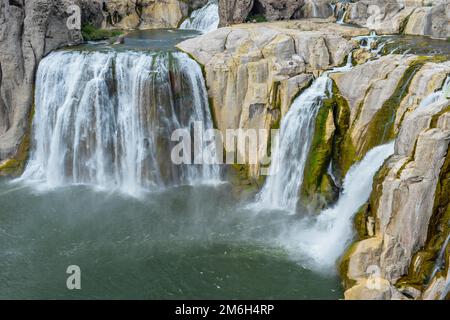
(14, 166)
(318, 189)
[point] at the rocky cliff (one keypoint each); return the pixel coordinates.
(28, 31)
(415, 17)
(254, 71)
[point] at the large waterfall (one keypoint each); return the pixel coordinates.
(106, 118)
(205, 19)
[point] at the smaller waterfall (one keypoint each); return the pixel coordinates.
(440, 259)
(321, 241)
(205, 19)
(297, 127)
(444, 93)
(286, 172)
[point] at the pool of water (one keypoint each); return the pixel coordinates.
(419, 45)
(179, 243)
(142, 40)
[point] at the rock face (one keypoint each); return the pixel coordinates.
(409, 211)
(279, 10)
(316, 9)
(368, 88)
(394, 16)
(254, 71)
(434, 20)
(146, 14)
(234, 11)
(28, 31)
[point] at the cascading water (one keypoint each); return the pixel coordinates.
(106, 118)
(444, 93)
(297, 127)
(440, 261)
(371, 43)
(321, 241)
(286, 172)
(205, 19)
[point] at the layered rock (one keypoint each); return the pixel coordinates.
(371, 93)
(430, 18)
(408, 204)
(254, 71)
(146, 14)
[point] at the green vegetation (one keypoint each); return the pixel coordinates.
(258, 18)
(343, 149)
(14, 166)
(318, 189)
(91, 33)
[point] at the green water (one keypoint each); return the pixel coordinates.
(181, 243)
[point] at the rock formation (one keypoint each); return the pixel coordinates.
(254, 71)
(28, 31)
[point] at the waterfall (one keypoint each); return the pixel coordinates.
(341, 16)
(205, 19)
(297, 127)
(320, 241)
(444, 93)
(106, 118)
(440, 259)
(371, 43)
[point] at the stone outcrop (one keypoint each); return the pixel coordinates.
(368, 90)
(406, 204)
(430, 20)
(254, 71)
(28, 31)
(234, 11)
(279, 10)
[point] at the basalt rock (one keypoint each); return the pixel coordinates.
(28, 31)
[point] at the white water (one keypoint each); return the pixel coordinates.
(442, 94)
(205, 19)
(105, 119)
(321, 241)
(286, 171)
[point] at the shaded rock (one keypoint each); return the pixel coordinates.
(279, 9)
(28, 31)
(234, 11)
